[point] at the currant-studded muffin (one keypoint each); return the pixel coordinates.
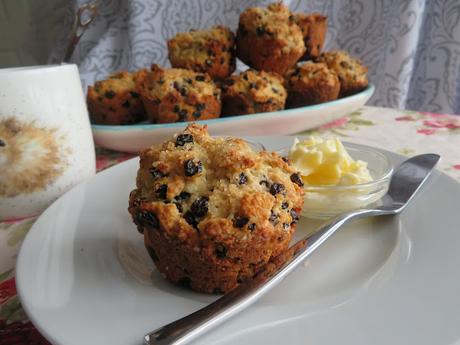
(209, 51)
(269, 39)
(212, 211)
(314, 28)
(176, 95)
(252, 92)
(115, 101)
(351, 72)
(311, 83)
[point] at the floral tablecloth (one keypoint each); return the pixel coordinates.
(404, 132)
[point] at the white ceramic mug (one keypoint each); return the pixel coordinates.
(46, 145)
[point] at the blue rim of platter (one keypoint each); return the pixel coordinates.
(149, 126)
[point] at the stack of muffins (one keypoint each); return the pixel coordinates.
(200, 84)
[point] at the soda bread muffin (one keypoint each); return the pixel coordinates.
(269, 39)
(210, 51)
(314, 27)
(114, 101)
(252, 92)
(175, 95)
(212, 211)
(311, 83)
(351, 72)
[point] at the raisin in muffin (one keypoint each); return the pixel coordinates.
(212, 211)
(269, 39)
(252, 92)
(311, 83)
(207, 51)
(114, 101)
(351, 72)
(314, 28)
(175, 95)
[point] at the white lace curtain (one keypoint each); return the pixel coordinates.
(412, 47)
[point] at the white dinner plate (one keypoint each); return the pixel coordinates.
(84, 276)
(134, 138)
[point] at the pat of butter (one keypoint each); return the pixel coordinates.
(323, 161)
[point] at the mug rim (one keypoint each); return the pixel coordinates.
(35, 68)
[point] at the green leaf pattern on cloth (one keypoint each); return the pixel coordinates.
(11, 310)
(5, 275)
(11, 236)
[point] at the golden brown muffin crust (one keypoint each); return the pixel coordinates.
(351, 72)
(269, 39)
(311, 83)
(231, 211)
(114, 101)
(206, 51)
(253, 92)
(174, 95)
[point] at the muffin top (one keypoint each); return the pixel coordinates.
(196, 39)
(310, 74)
(348, 69)
(203, 50)
(259, 86)
(159, 83)
(201, 188)
(276, 22)
(117, 83)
